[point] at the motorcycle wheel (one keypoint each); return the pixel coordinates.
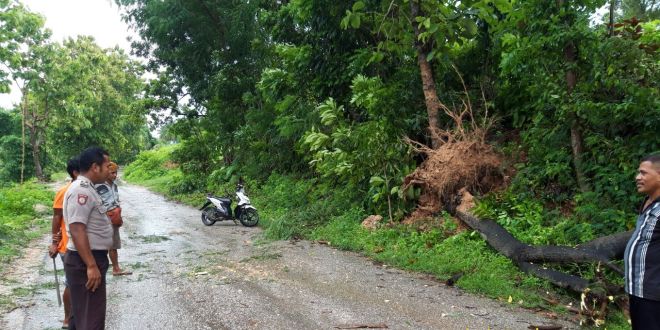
(249, 217)
(207, 214)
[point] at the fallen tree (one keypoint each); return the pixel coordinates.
(464, 162)
(531, 259)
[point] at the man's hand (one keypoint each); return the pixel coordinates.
(81, 242)
(93, 278)
(115, 216)
(52, 250)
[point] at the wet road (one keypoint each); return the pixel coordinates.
(187, 275)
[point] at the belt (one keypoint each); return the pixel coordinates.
(95, 252)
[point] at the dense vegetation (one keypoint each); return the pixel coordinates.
(319, 90)
(20, 220)
(311, 101)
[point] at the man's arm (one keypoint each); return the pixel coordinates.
(56, 231)
(81, 242)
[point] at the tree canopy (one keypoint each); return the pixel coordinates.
(74, 94)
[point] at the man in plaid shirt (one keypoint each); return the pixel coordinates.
(642, 255)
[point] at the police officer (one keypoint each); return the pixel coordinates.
(90, 233)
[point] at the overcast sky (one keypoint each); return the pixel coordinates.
(100, 19)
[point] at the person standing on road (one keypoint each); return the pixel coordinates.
(60, 238)
(110, 195)
(90, 233)
(642, 254)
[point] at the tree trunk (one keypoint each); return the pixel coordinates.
(570, 58)
(428, 82)
(40, 127)
(577, 148)
(35, 142)
(611, 27)
(23, 123)
(601, 250)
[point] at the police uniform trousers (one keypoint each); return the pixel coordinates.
(87, 307)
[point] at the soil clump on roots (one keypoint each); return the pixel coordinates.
(472, 165)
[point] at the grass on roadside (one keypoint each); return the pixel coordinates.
(20, 220)
(483, 270)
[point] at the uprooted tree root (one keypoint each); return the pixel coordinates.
(463, 160)
(473, 165)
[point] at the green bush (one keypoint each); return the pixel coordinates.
(10, 160)
(150, 164)
(18, 218)
(292, 207)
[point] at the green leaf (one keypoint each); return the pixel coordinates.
(355, 21)
(346, 20)
(430, 56)
(427, 23)
(375, 198)
(376, 181)
(434, 28)
(503, 6)
(469, 26)
(358, 6)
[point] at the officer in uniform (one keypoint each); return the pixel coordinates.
(90, 233)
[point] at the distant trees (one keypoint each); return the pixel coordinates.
(73, 95)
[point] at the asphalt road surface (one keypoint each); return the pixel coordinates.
(190, 276)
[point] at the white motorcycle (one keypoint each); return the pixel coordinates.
(219, 208)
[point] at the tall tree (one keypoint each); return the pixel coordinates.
(432, 31)
(206, 52)
(641, 9)
(24, 56)
(97, 101)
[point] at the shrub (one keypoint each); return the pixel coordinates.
(151, 164)
(18, 217)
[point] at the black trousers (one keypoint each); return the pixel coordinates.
(644, 313)
(87, 307)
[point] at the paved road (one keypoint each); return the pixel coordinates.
(187, 275)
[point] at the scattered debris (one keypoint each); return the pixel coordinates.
(453, 279)
(41, 209)
(363, 326)
(545, 327)
(372, 222)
